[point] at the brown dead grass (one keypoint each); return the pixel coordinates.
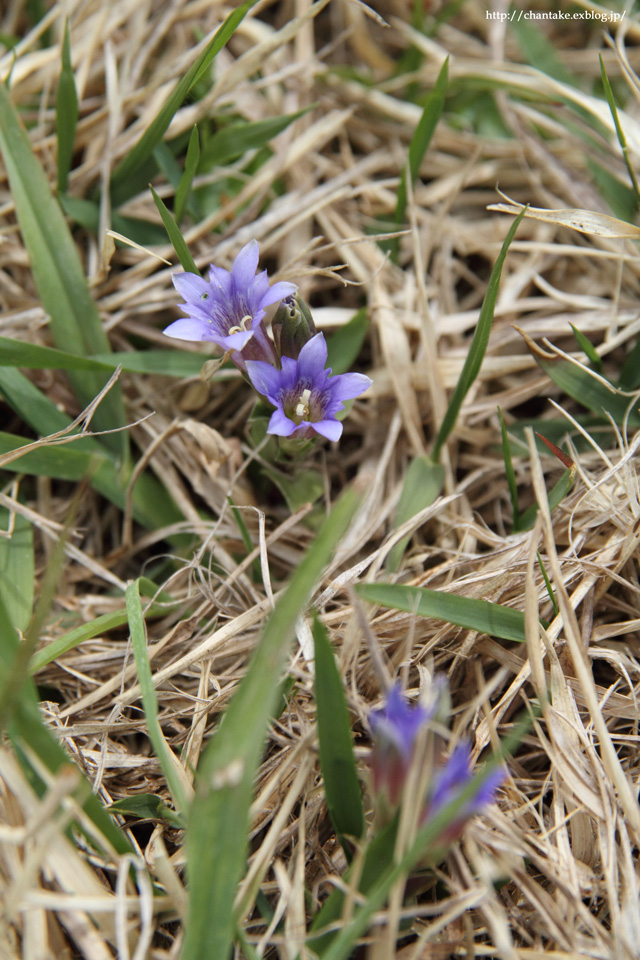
(551, 869)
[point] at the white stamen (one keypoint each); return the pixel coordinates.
(302, 409)
(243, 325)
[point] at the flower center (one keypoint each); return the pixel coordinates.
(302, 408)
(242, 328)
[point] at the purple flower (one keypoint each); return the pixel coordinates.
(394, 728)
(451, 781)
(305, 395)
(229, 307)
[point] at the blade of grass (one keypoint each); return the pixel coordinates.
(74, 320)
(547, 583)
(237, 138)
(622, 140)
(160, 746)
(158, 126)
(478, 346)
(587, 347)
(481, 615)
(217, 829)
(510, 472)
(345, 344)
(342, 790)
(17, 569)
(422, 484)
(177, 240)
(66, 113)
(190, 166)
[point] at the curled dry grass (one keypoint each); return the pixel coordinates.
(551, 869)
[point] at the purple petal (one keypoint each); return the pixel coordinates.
(331, 429)
(245, 264)
(277, 291)
(235, 341)
(190, 286)
(265, 378)
(347, 386)
(289, 373)
(397, 723)
(220, 281)
(186, 328)
(312, 360)
(280, 425)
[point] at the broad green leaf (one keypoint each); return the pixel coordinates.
(342, 789)
(478, 346)
(160, 746)
(234, 140)
(173, 231)
(158, 126)
(17, 569)
(345, 344)
(74, 320)
(66, 113)
(218, 823)
(481, 615)
(422, 484)
(190, 166)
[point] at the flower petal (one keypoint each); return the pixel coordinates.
(220, 281)
(277, 291)
(312, 360)
(190, 286)
(234, 341)
(280, 425)
(244, 266)
(346, 386)
(186, 328)
(266, 379)
(331, 429)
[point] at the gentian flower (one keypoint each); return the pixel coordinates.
(305, 395)
(394, 728)
(449, 784)
(229, 307)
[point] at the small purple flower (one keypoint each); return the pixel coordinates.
(449, 784)
(305, 395)
(229, 307)
(394, 728)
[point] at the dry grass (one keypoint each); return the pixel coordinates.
(551, 869)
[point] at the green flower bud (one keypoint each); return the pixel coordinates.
(292, 326)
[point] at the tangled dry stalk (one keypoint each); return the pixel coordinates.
(551, 869)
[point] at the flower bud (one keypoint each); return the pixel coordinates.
(292, 326)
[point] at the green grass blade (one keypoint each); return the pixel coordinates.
(149, 700)
(420, 143)
(177, 240)
(190, 166)
(18, 353)
(158, 126)
(345, 344)
(218, 823)
(555, 496)
(234, 140)
(587, 347)
(66, 113)
(480, 615)
(342, 790)
(510, 472)
(17, 569)
(630, 374)
(422, 484)
(478, 346)
(547, 584)
(622, 140)
(74, 320)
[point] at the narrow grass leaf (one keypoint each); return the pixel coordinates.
(478, 346)
(547, 583)
(146, 806)
(622, 140)
(420, 143)
(630, 374)
(17, 569)
(160, 746)
(236, 139)
(342, 790)
(555, 496)
(66, 113)
(481, 615)
(20, 713)
(217, 842)
(158, 126)
(74, 319)
(510, 472)
(190, 167)
(177, 240)
(587, 347)
(345, 344)
(422, 484)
